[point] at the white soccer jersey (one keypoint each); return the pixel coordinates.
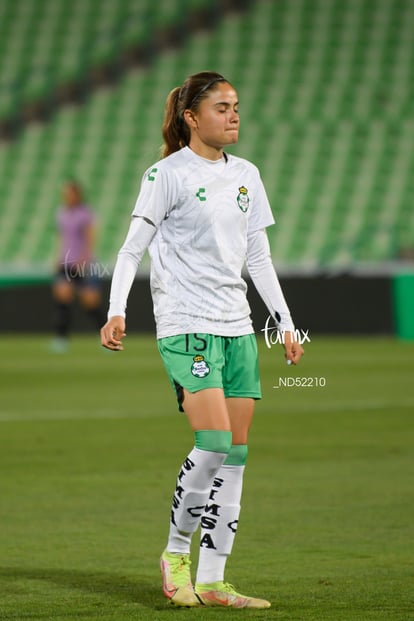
(203, 211)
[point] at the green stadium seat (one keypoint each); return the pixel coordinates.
(335, 150)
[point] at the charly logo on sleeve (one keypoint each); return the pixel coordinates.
(200, 368)
(151, 174)
(243, 199)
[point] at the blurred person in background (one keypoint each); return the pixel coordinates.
(77, 273)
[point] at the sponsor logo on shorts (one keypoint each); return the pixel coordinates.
(200, 368)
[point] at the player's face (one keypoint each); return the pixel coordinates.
(216, 121)
(71, 195)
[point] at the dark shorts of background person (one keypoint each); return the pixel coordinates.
(79, 275)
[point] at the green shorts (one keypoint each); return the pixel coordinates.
(199, 361)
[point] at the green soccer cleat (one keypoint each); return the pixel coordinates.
(176, 579)
(224, 594)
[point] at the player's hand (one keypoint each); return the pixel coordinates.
(293, 349)
(113, 332)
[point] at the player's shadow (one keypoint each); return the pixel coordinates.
(137, 589)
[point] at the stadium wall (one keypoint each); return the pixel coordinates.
(341, 304)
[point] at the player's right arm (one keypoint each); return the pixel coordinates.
(140, 234)
(158, 193)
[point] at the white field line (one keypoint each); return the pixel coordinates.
(336, 406)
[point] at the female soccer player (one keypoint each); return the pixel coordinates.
(202, 214)
(76, 229)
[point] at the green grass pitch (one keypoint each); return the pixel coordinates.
(90, 444)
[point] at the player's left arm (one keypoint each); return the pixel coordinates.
(264, 277)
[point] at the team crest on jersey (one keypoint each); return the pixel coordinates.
(200, 368)
(243, 199)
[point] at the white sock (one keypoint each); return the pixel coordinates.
(219, 524)
(191, 494)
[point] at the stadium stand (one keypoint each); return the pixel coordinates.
(327, 104)
(50, 47)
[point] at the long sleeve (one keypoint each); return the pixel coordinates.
(264, 277)
(140, 234)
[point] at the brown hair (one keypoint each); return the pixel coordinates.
(76, 187)
(175, 130)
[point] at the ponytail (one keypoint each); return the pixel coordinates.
(175, 130)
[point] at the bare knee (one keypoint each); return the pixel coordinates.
(90, 298)
(241, 412)
(206, 409)
(63, 292)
